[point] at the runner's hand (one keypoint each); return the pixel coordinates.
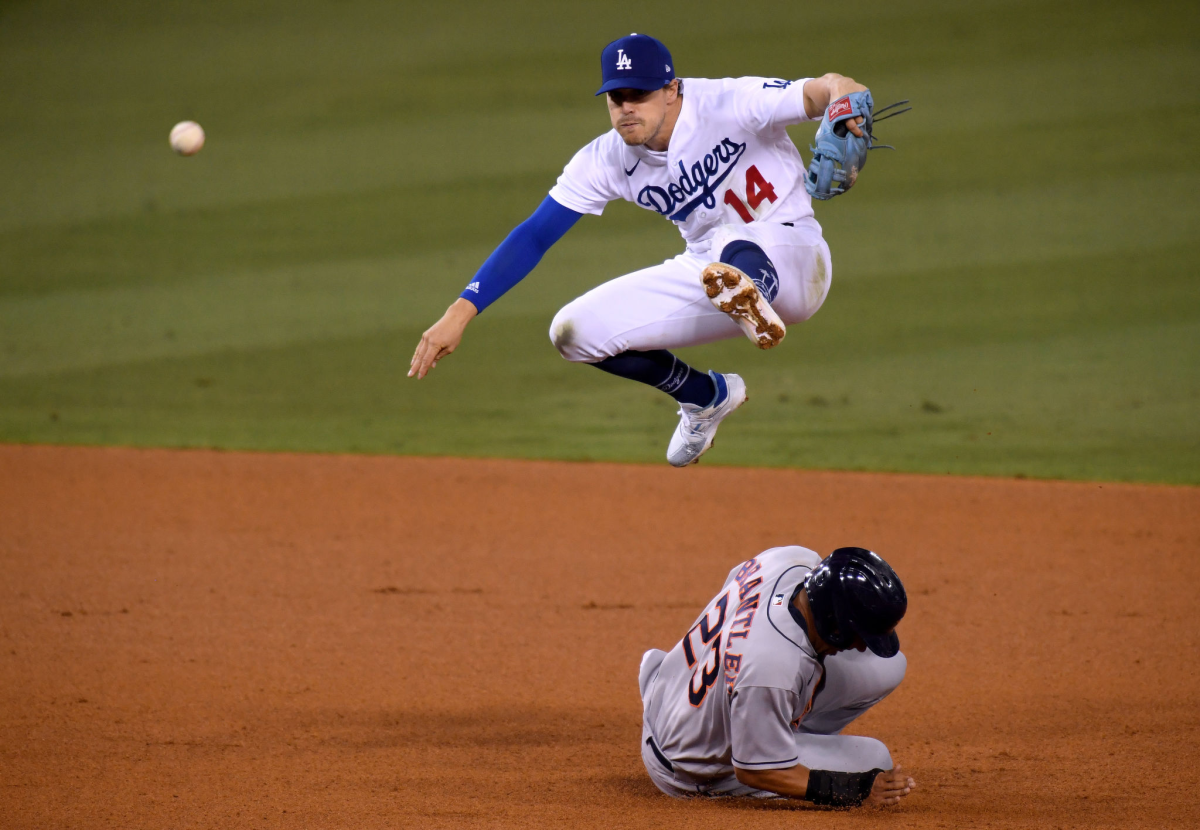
(890, 786)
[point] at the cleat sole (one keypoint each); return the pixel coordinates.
(735, 294)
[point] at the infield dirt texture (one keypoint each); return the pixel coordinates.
(318, 638)
(248, 640)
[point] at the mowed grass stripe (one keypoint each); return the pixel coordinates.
(917, 413)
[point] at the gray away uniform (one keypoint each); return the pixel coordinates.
(745, 688)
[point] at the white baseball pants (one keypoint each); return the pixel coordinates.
(665, 307)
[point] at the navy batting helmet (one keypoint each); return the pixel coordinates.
(854, 593)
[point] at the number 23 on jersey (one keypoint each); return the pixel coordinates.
(708, 634)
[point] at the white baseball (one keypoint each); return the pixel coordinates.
(187, 137)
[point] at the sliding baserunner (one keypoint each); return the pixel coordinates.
(753, 700)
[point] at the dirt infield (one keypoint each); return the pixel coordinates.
(198, 639)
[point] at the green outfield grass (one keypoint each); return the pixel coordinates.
(1015, 290)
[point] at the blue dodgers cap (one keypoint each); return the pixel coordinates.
(635, 62)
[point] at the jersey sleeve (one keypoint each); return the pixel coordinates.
(762, 104)
(586, 184)
(519, 253)
(760, 724)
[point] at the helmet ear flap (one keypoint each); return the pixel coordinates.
(844, 636)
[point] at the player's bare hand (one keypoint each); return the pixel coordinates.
(442, 338)
(840, 85)
(889, 788)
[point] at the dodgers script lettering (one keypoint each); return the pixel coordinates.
(694, 187)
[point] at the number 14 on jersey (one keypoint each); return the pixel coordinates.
(758, 190)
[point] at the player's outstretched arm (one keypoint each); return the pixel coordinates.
(442, 338)
(831, 788)
(517, 255)
(820, 92)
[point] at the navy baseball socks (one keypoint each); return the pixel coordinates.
(704, 399)
(666, 372)
(742, 284)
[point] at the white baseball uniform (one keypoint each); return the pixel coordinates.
(730, 172)
(745, 688)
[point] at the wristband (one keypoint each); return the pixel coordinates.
(839, 789)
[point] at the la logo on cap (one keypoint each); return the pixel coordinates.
(635, 62)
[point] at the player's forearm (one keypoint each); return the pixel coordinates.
(792, 781)
(824, 787)
(819, 92)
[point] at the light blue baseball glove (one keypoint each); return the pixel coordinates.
(838, 154)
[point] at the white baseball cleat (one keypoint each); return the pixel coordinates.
(698, 425)
(732, 292)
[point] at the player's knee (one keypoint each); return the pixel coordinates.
(891, 672)
(883, 679)
(562, 331)
(566, 335)
(576, 335)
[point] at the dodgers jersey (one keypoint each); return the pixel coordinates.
(729, 161)
(733, 691)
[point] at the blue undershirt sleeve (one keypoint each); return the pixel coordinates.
(521, 250)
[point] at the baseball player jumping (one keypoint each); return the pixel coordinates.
(714, 157)
(753, 699)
